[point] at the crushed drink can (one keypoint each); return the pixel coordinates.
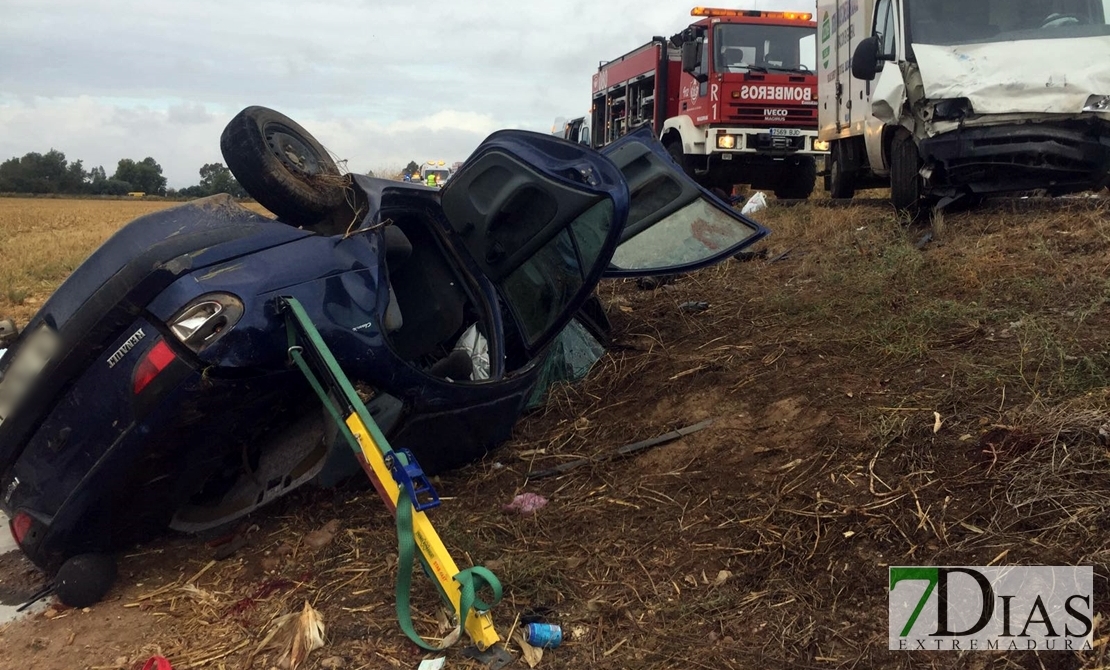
(545, 635)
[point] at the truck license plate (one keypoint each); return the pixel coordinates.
(787, 132)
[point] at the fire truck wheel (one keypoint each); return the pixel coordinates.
(905, 173)
(282, 166)
(797, 181)
(674, 148)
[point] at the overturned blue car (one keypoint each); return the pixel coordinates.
(154, 389)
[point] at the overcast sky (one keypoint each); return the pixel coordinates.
(379, 82)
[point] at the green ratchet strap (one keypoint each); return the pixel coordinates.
(470, 580)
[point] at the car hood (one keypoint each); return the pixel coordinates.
(195, 234)
(1044, 76)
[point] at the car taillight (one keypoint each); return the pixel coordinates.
(20, 524)
(206, 319)
(155, 360)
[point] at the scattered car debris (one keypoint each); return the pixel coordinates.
(748, 256)
(623, 451)
(780, 257)
(694, 306)
(652, 283)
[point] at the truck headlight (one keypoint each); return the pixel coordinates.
(952, 109)
(820, 145)
(726, 141)
(1097, 104)
(206, 319)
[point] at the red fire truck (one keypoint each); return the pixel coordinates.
(733, 97)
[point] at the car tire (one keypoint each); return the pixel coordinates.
(842, 181)
(85, 579)
(906, 188)
(797, 181)
(282, 166)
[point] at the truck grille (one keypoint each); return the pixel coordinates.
(804, 116)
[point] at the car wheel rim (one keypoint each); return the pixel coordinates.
(291, 150)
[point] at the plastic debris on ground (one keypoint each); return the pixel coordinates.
(694, 306)
(526, 504)
(432, 663)
(477, 347)
(157, 663)
(572, 355)
(754, 204)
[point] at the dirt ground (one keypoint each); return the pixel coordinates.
(825, 363)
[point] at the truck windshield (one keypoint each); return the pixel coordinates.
(739, 47)
(945, 22)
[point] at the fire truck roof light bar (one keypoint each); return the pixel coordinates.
(715, 11)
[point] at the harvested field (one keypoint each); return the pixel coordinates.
(760, 542)
(43, 239)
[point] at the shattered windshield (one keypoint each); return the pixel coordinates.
(945, 22)
(739, 47)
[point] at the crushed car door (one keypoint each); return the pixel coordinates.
(673, 224)
(540, 217)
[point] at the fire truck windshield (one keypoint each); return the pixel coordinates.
(739, 47)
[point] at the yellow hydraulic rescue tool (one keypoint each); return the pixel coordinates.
(406, 491)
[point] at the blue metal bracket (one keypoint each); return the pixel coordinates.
(411, 477)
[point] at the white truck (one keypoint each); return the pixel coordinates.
(946, 99)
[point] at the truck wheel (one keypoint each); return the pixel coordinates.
(842, 182)
(282, 166)
(905, 173)
(798, 180)
(674, 148)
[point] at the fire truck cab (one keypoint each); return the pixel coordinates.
(733, 97)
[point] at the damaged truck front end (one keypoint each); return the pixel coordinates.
(1014, 115)
(951, 98)
(1038, 154)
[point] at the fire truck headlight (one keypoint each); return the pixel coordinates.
(820, 145)
(726, 141)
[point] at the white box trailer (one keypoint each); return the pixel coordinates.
(942, 99)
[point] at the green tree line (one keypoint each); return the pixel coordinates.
(51, 173)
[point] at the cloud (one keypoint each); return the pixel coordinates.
(185, 136)
(380, 81)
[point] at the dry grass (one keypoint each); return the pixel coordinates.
(764, 540)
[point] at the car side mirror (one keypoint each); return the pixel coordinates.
(691, 51)
(865, 60)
